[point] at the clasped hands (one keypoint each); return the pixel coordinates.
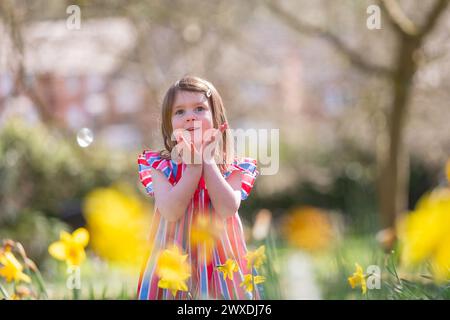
(190, 154)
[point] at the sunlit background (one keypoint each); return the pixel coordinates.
(364, 145)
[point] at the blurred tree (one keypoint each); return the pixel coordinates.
(172, 38)
(392, 156)
(14, 15)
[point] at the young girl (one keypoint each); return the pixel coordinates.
(197, 202)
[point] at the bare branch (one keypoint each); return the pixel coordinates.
(398, 18)
(355, 57)
(14, 16)
(432, 18)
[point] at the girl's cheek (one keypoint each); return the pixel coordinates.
(176, 124)
(206, 124)
(207, 121)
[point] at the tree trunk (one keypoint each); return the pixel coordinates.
(394, 160)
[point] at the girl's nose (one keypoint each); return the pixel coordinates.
(190, 116)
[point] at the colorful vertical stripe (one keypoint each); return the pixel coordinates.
(206, 282)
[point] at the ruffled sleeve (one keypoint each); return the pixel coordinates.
(249, 173)
(152, 159)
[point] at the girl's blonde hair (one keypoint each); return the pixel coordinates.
(196, 84)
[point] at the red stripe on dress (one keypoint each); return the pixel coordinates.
(143, 161)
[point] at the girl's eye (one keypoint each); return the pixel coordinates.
(199, 109)
(179, 112)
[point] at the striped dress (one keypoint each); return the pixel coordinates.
(206, 281)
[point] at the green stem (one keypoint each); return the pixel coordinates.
(253, 283)
(91, 292)
(41, 283)
(272, 260)
(105, 288)
(76, 293)
(4, 292)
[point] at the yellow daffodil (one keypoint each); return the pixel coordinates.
(308, 228)
(205, 233)
(173, 270)
(424, 234)
(256, 258)
(11, 269)
(358, 278)
(70, 247)
(228, 268)
(441, 262)
(249, 280)
(119, 223)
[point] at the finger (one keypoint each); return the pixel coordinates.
(182, 145)
(183, 139)
(180, 142)
(193, 148)
(178, 135)
(210, 140)
(179, 148)
(207, 137)
(194, 153)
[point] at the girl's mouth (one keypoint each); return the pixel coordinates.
(191, 129)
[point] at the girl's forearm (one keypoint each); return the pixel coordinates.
(175, 202)
(222, 195)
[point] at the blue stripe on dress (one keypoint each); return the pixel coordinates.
(175, 170)
(204, 276)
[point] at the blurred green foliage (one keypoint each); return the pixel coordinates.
(44, 175)
(351, 189)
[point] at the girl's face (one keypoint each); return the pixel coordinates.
(191, 111)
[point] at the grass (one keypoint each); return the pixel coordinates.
(334, 267)
(98, 279)
(329, 271)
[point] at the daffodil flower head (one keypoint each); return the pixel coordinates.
(425, 233)
(173, 270)
(309, 228)
(11, 269)
(70, 247)
(249, 280)
(204, 234)
(228, 269)
(256, 258)
(118, 221)
(358, 279)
